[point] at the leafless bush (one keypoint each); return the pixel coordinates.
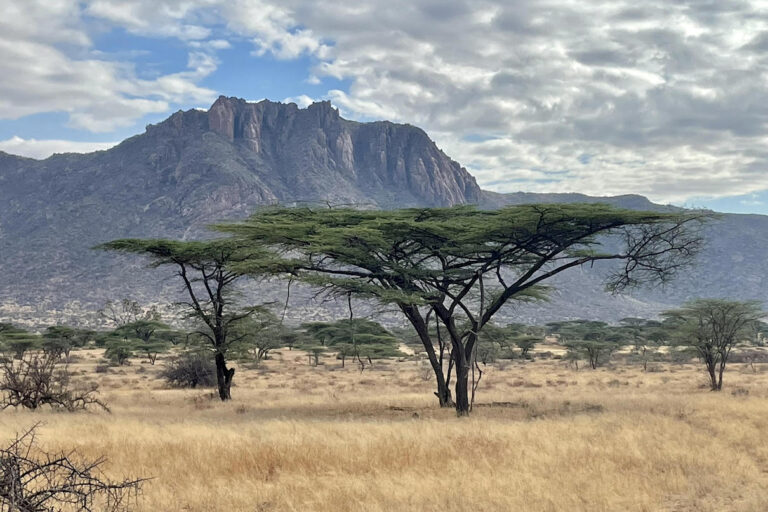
(39, 379)
(190, 370)
(32, 480)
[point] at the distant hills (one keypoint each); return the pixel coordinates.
(197, 167)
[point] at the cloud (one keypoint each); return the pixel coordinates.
(270, 25)
(668, 99)
(34, 148)
(169, 18)
(302, 101)
(46, 49)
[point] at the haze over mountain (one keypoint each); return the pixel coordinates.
(198, 167)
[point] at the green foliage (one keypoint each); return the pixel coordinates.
(597, 353)
(120, 350)
(151, 349)
(141, 329)
(526, 344)
(590, 340)
(412, 245)
(208, 272)
(171, 337)
(646, 336)
(256, 335)
(487, 351)
(315, 351)
(360, 330)
(149, 338)
(712, 327)
(61, 339)
(499, 342)
(363, 340)
(759, 332)
(17, 341)
(465, 262)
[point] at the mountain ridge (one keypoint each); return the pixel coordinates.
(197, 167)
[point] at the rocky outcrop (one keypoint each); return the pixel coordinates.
(329, 157)
(195, 168)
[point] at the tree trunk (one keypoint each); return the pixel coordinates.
(712, 376)
(462, 387)
(224, 377)
(720, 376)
(443, 392)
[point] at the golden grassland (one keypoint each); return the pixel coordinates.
(543, 437)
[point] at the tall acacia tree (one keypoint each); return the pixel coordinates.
(206, 270)
(464, 264)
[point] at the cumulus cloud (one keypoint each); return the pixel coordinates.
(661, 98)
(302, 101)
(49, 67)
(604, 97)
(34, 148)
(165, 18)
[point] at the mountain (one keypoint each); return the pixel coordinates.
(198, 167)
(192, 169)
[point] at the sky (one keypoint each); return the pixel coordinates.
(659, 98)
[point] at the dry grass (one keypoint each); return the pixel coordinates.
(543, 438)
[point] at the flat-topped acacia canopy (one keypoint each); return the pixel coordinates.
(208, 271)
(464, 264)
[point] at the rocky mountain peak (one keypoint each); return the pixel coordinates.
(199, 167)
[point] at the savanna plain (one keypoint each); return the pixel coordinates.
(543, 436)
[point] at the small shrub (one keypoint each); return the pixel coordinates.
(190, 370)
(40, 379)
(740, 392)
(119, 352)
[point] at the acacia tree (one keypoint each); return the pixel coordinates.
(465, 264)
(589, 339)
(61, 339)
(205, 268)
(362, 339)
(150, 337)
(17, 340)
(258, 334)
(712, 327)
(646, 335)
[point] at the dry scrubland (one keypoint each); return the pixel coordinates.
(543, 437)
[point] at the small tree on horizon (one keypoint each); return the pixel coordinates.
(17, 340)
(712, 327)
(362, 339)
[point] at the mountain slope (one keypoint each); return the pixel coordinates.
(190, 170)
(198, 167)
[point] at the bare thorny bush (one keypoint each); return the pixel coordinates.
(33, 480)
(39, 379)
